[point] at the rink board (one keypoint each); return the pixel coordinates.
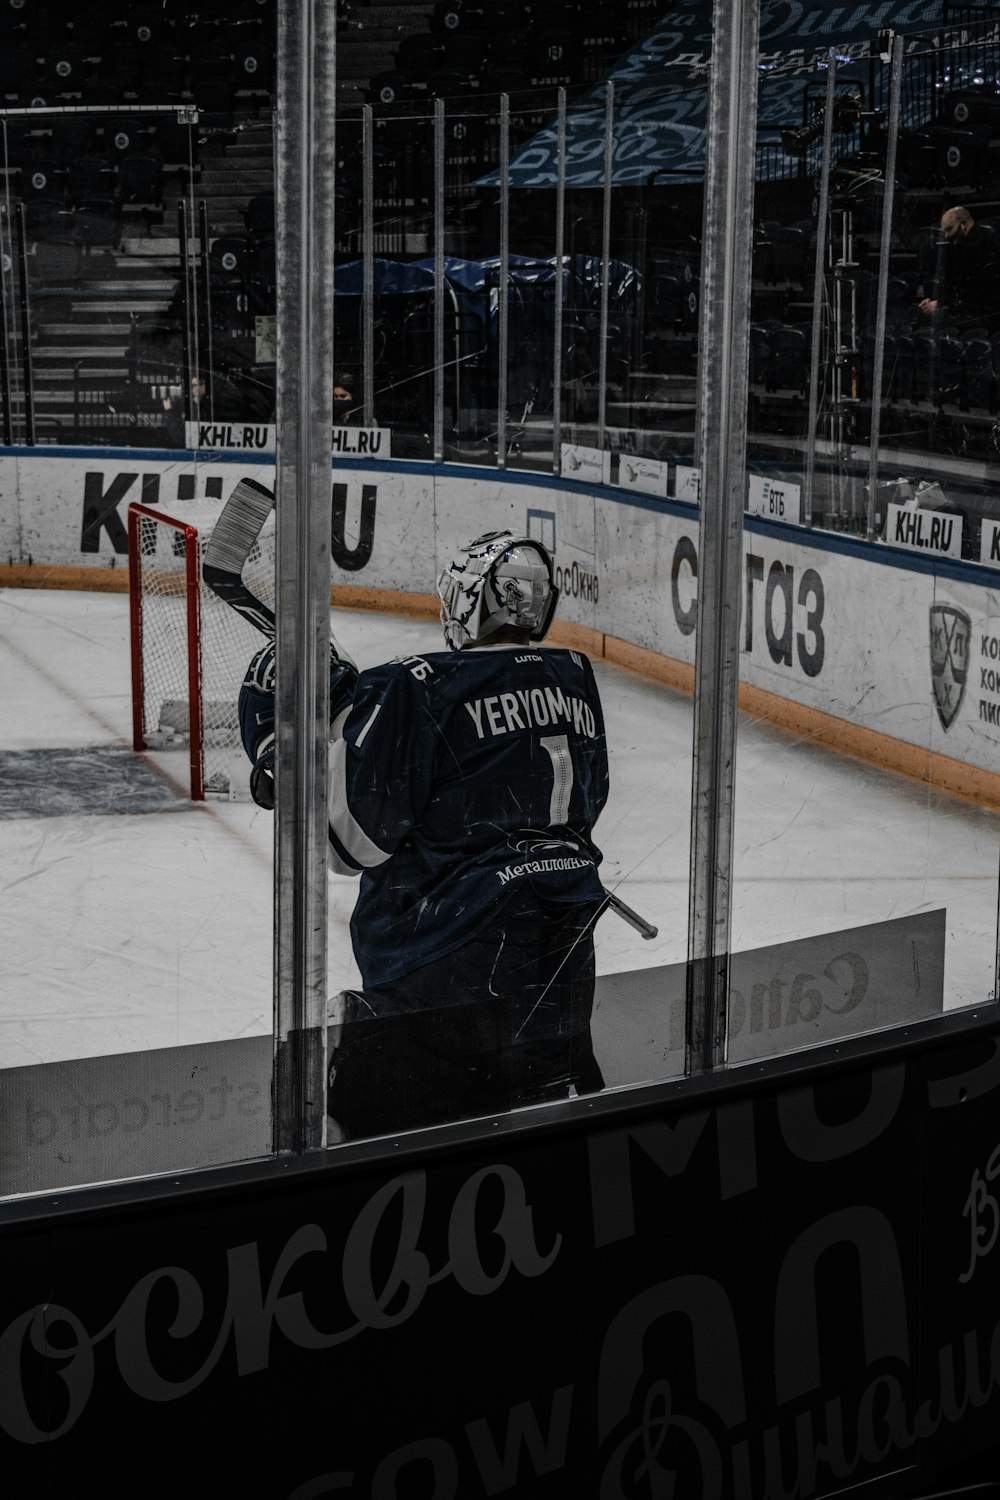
(884, 651)
(657, 1294)
(171, 1109)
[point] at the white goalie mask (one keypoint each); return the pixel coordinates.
(500, 580)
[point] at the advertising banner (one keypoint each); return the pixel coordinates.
(743, 1289)
(867, 634)
(781, 998)
(99, 1119)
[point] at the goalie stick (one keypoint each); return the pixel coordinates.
(631, 917)
(237, 529)
(240, 523)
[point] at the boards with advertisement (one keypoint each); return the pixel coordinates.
(898, 645)
(558, 1310)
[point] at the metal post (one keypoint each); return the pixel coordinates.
(8, 426)
(6, 300)
(186, 356)
(368, 265)
(884, 249)
(27, 370)
(503, 272)
(203, 247)
(722, 379)
(559, 290)
(305, 148)
(439, 280)
(819, 283)
(602, 358)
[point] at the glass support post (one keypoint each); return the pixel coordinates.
(27, 370)
(884, 252)
(306, 162)
(602, 357)
(368, 264)
(503, 274)
(559, 289)
(439, 281)
(819, 283)
(727, 241)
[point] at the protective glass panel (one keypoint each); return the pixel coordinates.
(866, 838)
(137, 933)
(481, 967)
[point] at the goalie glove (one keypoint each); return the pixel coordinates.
(256, 714)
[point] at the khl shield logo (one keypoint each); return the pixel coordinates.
(951, 631)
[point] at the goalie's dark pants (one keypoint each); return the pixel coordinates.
(503, 1021)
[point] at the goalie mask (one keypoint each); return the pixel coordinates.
(501, 580)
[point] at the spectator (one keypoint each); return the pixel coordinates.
(343, 399)
(215, 398)
(964, 294)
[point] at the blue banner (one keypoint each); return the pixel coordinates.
(661, 90)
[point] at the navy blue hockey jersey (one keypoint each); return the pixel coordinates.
(462, 779)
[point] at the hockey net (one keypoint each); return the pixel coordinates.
(190, 650)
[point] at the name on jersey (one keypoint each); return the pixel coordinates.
(530, 708)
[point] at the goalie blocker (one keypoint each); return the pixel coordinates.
(464, 788)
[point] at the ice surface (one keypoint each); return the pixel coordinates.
(128, 929)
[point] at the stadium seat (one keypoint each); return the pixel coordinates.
(555, 57)
(229, 255)
(899, 376)
(963, 109)
(507, 80)
(93, 176)
(949, 387)
(450, 83)
(916, 158)
(262, 273)
(418, 55)
(140, 178)
(788, 363)
(512, 49)
(995, 346)
(72, 136)
(258, 216)
(121, 135)
(97, 223)
(146, 23)
(211, 75)
(789, 253)
(928, 247)
(65, 71)
(253, 63)
(163, 74)
(760, 353)
(468, 51)
(54, 263)
(175, 142)
(979, 384)
(450, 16)
(19, 80)
(43, 177)
(924, 383)
(900, 300)
(960, 156)
(388, 88)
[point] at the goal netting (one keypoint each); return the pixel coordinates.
(190, 650)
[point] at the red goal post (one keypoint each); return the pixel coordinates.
(189, 649)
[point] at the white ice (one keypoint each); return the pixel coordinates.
(121, 932)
